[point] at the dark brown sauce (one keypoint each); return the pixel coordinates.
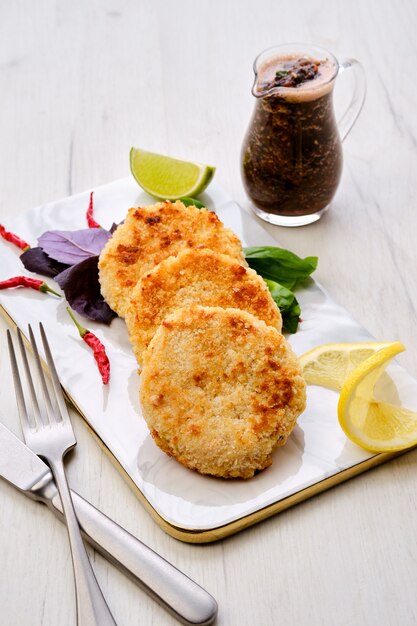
(294, 73)
(292, 156)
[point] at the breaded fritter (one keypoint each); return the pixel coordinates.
(220, 390)
(151, 234)
(195, 276)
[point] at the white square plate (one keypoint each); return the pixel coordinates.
(189, 506)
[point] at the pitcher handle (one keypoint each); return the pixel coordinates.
(351, 114)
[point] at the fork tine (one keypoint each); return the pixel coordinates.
(20, 398)
(54, 377)
(50, 412)
(38, 420)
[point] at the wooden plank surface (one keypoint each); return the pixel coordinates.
(81, 82)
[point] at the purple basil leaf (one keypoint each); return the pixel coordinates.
(82, 290)
(73, 246)
(36, 260)
(113, 227)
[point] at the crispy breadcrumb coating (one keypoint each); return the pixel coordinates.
(151, 234)
(195, 276)
(220, 390)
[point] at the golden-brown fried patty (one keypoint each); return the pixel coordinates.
(220, 390)
(195, 276)
(152, 233)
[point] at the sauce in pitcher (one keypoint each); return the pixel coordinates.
(292, 154)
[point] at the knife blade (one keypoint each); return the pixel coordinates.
(180, 595)
(19, 465)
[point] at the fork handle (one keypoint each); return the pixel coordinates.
(183, 597)
(92, 609)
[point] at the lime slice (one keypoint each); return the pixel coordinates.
(373, 425)
(166, 178)
(330, 364)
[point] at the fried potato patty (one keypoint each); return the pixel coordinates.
(195, 276)
(151, 234)
(220, 390)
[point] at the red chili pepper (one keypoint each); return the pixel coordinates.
(99, 350)
(17, 241)
(90, 219)
(26, 281)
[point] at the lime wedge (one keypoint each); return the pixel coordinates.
(166, 178)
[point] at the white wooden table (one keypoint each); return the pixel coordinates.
(80, 82)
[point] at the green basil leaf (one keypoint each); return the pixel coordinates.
(287, 304)
(193, 202)
(280, 265)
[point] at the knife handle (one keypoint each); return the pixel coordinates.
(184, 598)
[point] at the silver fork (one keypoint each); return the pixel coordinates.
(48, 432)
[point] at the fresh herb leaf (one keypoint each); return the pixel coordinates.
(193, 202)
(82, 290)
(282, 271)
(73, 246)
(36, 260)
(280, 265)
(281, 74)
(287, 304)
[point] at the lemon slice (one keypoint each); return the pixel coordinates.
(373, 425)
(330, 364)
(166, 178)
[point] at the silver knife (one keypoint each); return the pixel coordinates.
(184, 598)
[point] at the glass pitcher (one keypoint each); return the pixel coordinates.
(292, 152)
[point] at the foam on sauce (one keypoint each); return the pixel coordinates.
(308, 89)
